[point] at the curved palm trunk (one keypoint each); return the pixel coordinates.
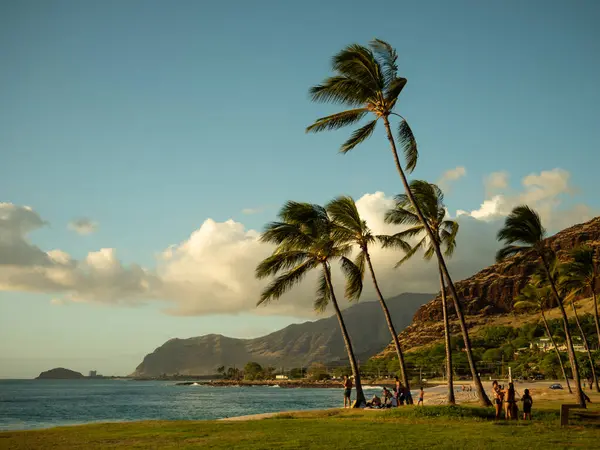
(360, 396)
(449, 372)
(568, 339)
(562, 366)
(595, 300)
(483, 398)
(587, 347)
(390, 325)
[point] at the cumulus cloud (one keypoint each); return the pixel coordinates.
(83, 226)
(212, 271)
(451, 175)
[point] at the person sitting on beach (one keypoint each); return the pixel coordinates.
(421, 395)
(527, 404)
(387, 396)
(347, 391)
(375, 402)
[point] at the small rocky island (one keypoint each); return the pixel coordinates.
(60, 373)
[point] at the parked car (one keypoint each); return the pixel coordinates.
(555, 386)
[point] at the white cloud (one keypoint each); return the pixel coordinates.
(212, 271)
(494, 182)
(83, 226)
(450, 176)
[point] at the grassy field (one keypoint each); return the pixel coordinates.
(415, 427)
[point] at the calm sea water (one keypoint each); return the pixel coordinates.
(26, 404)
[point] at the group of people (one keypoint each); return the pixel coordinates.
(506, 399)
(401, 395)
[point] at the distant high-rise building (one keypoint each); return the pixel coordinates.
(92, 373)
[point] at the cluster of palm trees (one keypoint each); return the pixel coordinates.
(553, 283)
(311, 237)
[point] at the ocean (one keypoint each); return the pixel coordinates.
(29, 404)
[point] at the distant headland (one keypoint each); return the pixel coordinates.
(60, 373)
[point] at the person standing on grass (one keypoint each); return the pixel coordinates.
(527, 404)
(498, 396)
(347, 391)
(511, 403)
(421, 395)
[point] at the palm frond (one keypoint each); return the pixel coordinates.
(285, 233)
(429, 253)
(358, 136)
(448, 233)
(410, 233)
(341, 89)
(394, 88)
(409, 146)
(510, 250)
(388, 57)
(285, 282)
(354, 278)
(303, 213)
(393, 241)
(358, 63)
(278, 262)
(338, 120)
(523, 226)
(343, 211)
(323, 295)
(401, 216)
(412, 251)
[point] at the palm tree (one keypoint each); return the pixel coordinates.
(367, 81)
(533, 297)
(351, 229)
(523, 233)
(431, 201)
(303, 237)
(581, 274)
(585, 345)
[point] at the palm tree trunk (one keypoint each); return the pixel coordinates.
(568, 339)
(390, 324)
(586, 346)
(360, 396)
(596, 314)
(451, 399)
(483, 398)
(562, 366)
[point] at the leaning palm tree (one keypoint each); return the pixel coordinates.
(367, 81)
(303, 237)
(350, 228)
(580, 274)
(523, 233)
(536, 298)
(585, 344)
(430, 199)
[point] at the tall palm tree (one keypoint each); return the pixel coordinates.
(303, 237)
(580, 274)
(533, 297)
(367, 81)
(523, 233)
(430, 199)
(585, 345)
(352, 229)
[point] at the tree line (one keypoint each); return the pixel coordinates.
(311, 237)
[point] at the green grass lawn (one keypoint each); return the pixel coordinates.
(417, 428)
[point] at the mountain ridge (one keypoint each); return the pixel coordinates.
(293, 346)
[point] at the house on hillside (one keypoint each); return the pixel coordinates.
(545, 345)
(281, 377)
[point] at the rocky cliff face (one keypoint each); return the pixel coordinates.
(491, 291)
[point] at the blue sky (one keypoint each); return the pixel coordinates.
(150, 117)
